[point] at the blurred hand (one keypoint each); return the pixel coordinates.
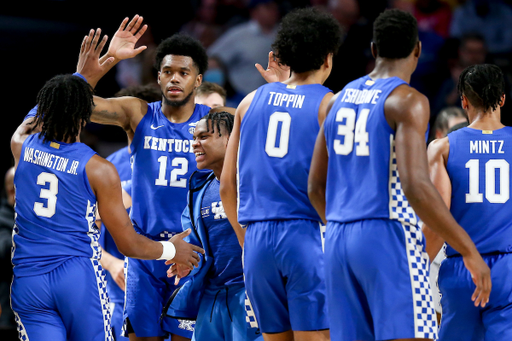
(177, 270)
(89, 64)
(275, 72)
(122, 45)
(186, 254)
(117, 272)
(481, 275)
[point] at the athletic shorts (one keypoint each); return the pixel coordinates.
(67, 303)
(377, 278)
(147, 290)
(117, 320)
(284, 275)
(461, 320)
(222, 316)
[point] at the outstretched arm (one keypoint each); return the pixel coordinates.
(408, 112)
(125, 112)
(25, 129)
(275, 72)
(106, 186)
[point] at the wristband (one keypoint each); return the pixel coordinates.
(79, 75)
(169, 251)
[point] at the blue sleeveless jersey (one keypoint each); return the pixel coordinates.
(162, 162)
(277, 138)
(362, 176)
(55, 207)
(479, 169)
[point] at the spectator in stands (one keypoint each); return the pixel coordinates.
(204, 26)
(472, 50)
(8, 331)
(246, 44)
(211, 94)
(446, 119)
(433, 16)
(489, 18)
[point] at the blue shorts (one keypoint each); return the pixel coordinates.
(68, 303)
(461, 319)
(222, 316)
(147, 290)
(284, 275)
(377, 278)
(117, 320)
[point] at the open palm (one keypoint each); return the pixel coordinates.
(122, 45)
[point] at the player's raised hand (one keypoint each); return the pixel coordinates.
(481, 275)
(177, 270)
(186, 254)
(122, 45)
(275, 72)
(89, 63)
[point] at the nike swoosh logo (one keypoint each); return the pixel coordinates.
(155, 128)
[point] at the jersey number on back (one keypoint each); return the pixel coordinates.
(49, 194)
(352, 131)
(181, 168)
(503, 167)
(277, 119)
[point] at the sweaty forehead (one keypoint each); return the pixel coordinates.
(201, 127)
(177, 61)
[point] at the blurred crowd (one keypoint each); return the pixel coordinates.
(238, 34)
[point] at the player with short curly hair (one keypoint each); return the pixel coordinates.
(272, 144)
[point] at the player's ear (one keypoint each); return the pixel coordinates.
(417, 49)
(374, 49)
(502, 101)
(199, 80)
(464, 102)
(158, 78)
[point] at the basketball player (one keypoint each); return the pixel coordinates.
(161, 135)
(58, 290)
(471, 170)
(369, 176)
(215, 298)
(276, 127)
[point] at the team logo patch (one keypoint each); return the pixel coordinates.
(187, 325)
(192, 128)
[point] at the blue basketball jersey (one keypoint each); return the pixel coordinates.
(277, 138)
(362, 176)
(162, 161)
(55, 207)
(121, 160)
(227, 253)
(479, 169)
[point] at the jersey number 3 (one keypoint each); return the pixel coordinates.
(49, 194)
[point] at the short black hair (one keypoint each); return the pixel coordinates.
(395, 34)
(64, 106)
(181, 44)
(147, 92)
(483, 85)
(442, 119)
(219, 118)
(305, 37)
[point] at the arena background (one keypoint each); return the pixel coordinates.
(41, 39)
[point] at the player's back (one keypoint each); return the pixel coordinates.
(277, 138)
(55, 207)
(479, 169)
(162, 162)
(362, 177)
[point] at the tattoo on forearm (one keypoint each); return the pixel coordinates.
(104, 116)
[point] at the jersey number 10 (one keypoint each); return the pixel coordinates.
(474, 196)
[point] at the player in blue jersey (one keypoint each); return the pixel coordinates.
(163, 160)
(369, 177)
(112, 260)
(471, 170)
(215, 296)
(58, 289)
(272, 144)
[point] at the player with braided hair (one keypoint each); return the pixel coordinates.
(215, 295)
(58, 290)
(471, 169)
